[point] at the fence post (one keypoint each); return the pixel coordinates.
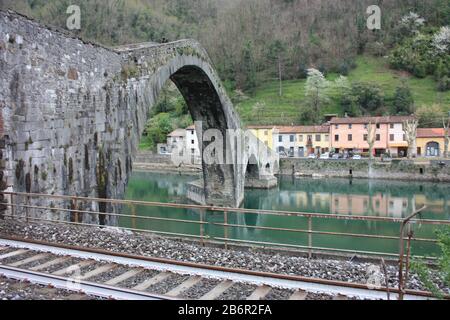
(26, 209)
(225, 231)
(202, 228)
(401, 287)
(133, 213)
(309, 237)
(13, 209)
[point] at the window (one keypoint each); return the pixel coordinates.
(336, 126)
(392, 126)
(391, 137)
(292, 138)
(378, 126)
(266, 133)
(327, 138)
(350, 126)
(366, 137)
(366, 126)
(378, 137)
(404, 137)
(336, 137)
(280, 138)
(300, 137)
(350, 137)
(318, 138)
(192, 142)
(192, 151)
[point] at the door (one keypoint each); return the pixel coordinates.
(301, 152)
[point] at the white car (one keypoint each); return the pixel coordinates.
(357, 157)
(325, 156)
(312, 156)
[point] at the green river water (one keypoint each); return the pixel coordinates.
(330, 196)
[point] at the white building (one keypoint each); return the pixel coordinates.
(184, 140)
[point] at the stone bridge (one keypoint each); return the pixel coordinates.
(72, 114)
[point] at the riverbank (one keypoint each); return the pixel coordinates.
(434, 171)
(118, 240)
(148, 161)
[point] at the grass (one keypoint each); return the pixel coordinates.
(285, 109)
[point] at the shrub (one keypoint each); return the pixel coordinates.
(403, 101)
(368, 96)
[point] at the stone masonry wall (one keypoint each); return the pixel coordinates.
(397, 169)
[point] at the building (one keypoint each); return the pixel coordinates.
(430, 142)
(184, 140)
(301, 141)
(351, 134)
(264, 134)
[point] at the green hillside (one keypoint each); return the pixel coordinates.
(285, 109)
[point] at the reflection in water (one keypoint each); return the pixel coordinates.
(335, 196)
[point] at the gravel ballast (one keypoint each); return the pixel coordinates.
(117, 240)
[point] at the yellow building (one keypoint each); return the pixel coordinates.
(430, 142)
(301, 141)
(263, 133)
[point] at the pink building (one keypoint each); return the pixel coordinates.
(351, 134)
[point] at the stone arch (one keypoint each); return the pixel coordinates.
(208, 104)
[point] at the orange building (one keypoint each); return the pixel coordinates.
(351, 134)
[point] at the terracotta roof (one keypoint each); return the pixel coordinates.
(177, 133)
(430, 133)
(191, 127)
(303, 129)
(260, 127)
(364, 120)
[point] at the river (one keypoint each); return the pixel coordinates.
(358, 197)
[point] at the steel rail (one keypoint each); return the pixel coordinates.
(68, 283)
(227, 209)
(257, 277)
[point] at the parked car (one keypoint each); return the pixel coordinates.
(312, 156)
(357, 157)
(325, 156)
(336, 156)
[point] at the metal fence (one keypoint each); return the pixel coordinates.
(22, 206)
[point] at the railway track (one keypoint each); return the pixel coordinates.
(122, 276)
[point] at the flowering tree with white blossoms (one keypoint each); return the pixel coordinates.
(411, 23)
(441, 41)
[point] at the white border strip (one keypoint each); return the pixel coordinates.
(214, 274)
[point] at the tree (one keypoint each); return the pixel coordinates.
(430, 116)
(368, 96)
(371, 135)
(403, 100)
(316, 91)
(410, 128)
(446, 124)
(248, 68)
